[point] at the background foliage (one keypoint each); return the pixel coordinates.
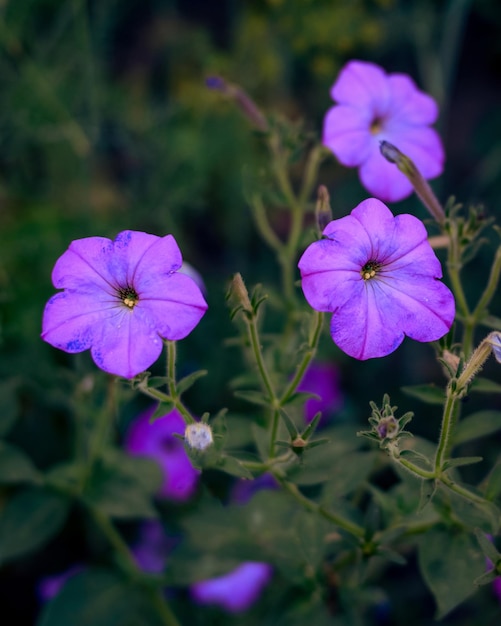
(106, 124)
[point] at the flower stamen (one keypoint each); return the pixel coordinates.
(128, 296)
(370, 269)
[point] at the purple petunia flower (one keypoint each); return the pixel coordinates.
(235, 591)
(378, 275)
(50, 586)
(152, 547)
(120, 299)
(157, 442)
(321, 379)
(373, 106)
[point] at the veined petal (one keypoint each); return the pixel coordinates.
(129, 343)
(408, 103)
(160, 259)
(175, 305)
(362, 329)
(346, 132)
(383, 179)
(71, 320)
(423, 308)
(129, 249)
(85, 265)
(363, 85)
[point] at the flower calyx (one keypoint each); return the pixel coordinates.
(387, 429)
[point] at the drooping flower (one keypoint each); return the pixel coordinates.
(321, 379)
(373, 106)
(120, 299)
(156, 441)
(236, 591)
(378, 275)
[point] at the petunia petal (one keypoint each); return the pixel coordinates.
(361, 329)
(128, 344)
(161, 258)
(84, 265)
(422, 145)
(363, 85)
(410, 104)
(72, 320)
(175, 305)
(347, 134)
(383, 179)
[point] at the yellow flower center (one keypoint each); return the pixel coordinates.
(376, 126)
(370, 269)
(128, 296)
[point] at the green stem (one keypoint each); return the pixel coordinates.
(259, 358)
(306, 360)
(448, 420)
(171, 368)
(126, 561)
(263, 225)
(310, 505)
(415, 469)
(490, 289)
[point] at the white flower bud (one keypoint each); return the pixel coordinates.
(198, 436)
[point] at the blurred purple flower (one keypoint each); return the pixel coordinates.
(120, 299)
(321, 379)
(244, 489)
(50, 586)
(152, 547)
(496, 586)
(373, 106)
(236, 591)
(378, 275)
(157, 442)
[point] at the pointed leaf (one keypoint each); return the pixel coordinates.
(254, 397)
(163, 408)
(233, 466)
(450, 561)
(464, 460)
(29, 519)
(426, 393)
(477, 425)
(16, 466)
(185, 383)
(484, 385)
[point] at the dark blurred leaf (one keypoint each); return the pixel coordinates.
(493, 488)
(30, 518)
(254, 397)
(16, 466)
(8, 412)
(232, 466)
(98, 597)
(426, 393)
(477, 425)
(450, 561)
(188, 381)
(484, 385)
(122, 486)
(347, 473)
(464, 460)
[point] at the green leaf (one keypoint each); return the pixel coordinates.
(450, 561)
(464, 460)
(484, 385)
(348, 472)
(16, 466)
(493, 488)
(233, 466)
(29, 520)
(426, 393)
(188, 381)
(98, 597)
(123, 486)
(254, 397)
(8, 412)
(163, 408)
(487, 546)
(477, 425)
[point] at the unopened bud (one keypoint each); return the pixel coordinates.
(239, 291)
(246, 105)
(387, 428)
(492, 343)
(423, 190)
(198, 436)
(323, 211)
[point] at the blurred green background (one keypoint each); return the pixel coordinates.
(106, 125)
